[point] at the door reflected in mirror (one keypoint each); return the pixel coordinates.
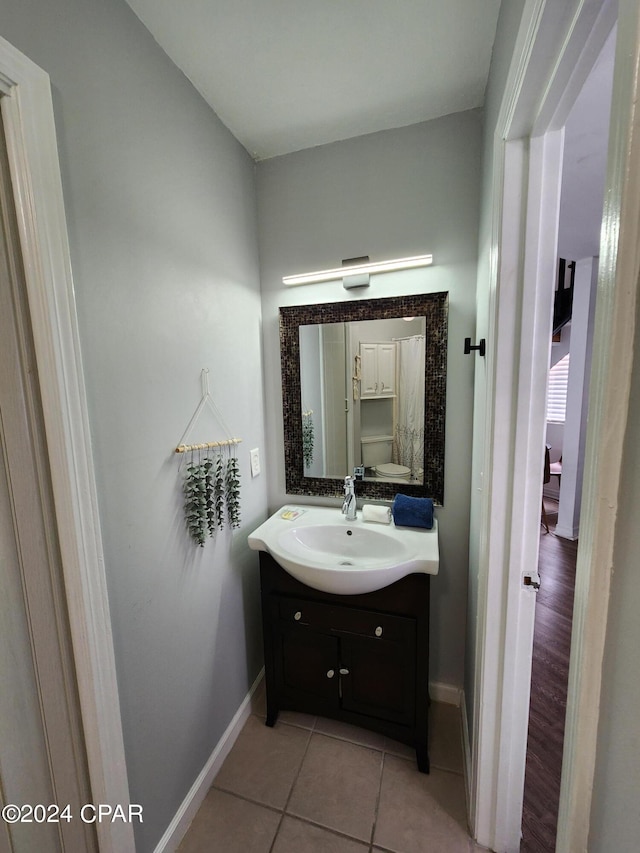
(362, 398)
(364, 384)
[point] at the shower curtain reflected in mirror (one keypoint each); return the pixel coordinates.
(409, 427)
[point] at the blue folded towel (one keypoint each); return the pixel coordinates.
(412, 512)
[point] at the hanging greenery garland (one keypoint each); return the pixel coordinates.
(307, 438)
(195, 502)
(211, 496)
(219, 492)
(232, 484)
(207, 466)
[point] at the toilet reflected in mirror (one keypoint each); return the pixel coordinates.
(377, 452)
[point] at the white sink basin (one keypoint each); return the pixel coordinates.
(323, 550)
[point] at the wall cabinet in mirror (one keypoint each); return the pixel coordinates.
(364, 384)
(378, 370)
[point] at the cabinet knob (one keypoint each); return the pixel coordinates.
(378, 631)
(297, 615)
(344, 671)
(330, 673)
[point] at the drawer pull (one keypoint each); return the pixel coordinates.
(330, 673)
(344, 671)
(297, 615)
(378, 631)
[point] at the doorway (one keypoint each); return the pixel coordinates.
(526, 190)
(64, 471)
(42, 756)
(586, 141)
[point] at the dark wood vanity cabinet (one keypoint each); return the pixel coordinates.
(358, 658)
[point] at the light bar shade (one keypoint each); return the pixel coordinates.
(371, 268)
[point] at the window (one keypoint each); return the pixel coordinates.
(557, 391)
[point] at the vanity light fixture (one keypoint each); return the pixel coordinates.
(368, 268)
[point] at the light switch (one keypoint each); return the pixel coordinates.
(255, 462)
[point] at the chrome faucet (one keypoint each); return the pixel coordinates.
(349, 505)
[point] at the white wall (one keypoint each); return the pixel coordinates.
(575, 427)
(391, 194)
(161, 213)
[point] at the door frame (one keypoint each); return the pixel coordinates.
(614, 336)
(552, 57)
(27, 112)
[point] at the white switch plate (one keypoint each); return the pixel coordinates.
(255, 461)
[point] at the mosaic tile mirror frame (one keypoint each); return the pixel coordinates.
(434, 308)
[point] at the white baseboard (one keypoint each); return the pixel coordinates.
(570, 533)
(552, 493)
(447, 693)
(466, 757)
(452, 695)
(182, 819)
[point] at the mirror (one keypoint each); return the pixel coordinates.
(364, 384)
(362, 396)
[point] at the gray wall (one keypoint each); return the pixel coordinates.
(161, 212)
(390, 194)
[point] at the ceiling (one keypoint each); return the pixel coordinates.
(284, 75)
(586, 140)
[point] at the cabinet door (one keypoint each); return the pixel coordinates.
(306, 665)
(369, 370)
(386, 369)
(378, 370)
(377, 678)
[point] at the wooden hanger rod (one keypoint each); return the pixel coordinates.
(185, 448)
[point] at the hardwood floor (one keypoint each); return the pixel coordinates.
(550, 671)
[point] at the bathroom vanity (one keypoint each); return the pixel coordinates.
(362, 658)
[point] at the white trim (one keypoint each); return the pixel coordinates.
(535, 327)
(591, 26)
(614, 335)
(35, 173)
(182, 819)
(466, 748)
(510, 163)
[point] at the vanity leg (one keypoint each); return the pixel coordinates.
(422, 756)
(272, 708)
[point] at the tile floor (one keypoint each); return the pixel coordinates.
(313, 785)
